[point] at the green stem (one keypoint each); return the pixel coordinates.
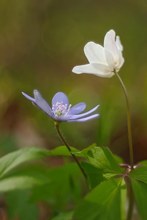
(128, 183)
(128, 121)
(70, 151)
(131, 198)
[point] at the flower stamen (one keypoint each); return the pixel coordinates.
(60, 109)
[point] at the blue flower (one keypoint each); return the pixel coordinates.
(61, 110)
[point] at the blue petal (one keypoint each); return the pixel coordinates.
(84, 119)
(60, 97)
(73, 117)
(78, 108)
(28, 97)
(42, 103)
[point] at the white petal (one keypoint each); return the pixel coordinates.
(110, 59)
(120, 61)
(94, 68)
(103, 70)
(110, 44)
(94, 53)
(118, 43)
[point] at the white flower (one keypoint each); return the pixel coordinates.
(105, 60)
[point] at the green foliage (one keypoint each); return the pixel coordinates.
(103, 202)
(22, 182)
(101, 162)
(19, 204)
(63, 186)
(139, 185)
(108, 192)
(100, 157)
(140, 192)
(62, 151)
(9, 180)
(103, 158)
(16, 158)
(140, 173)
(24, 178)
(95, 175)
(63, 216)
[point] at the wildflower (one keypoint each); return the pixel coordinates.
(105, 60)
(61, 110)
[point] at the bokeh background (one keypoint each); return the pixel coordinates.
(41, 41)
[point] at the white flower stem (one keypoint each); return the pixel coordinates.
(128, 182)
(131, 198)
(128, 120)
(70, 151)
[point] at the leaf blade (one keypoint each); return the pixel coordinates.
(14, 159)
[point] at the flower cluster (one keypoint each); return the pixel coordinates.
(61, 110)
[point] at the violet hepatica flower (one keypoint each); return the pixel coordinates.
(61, 110)
(105, 60)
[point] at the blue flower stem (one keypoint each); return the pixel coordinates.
(70, 151)
(128, 182)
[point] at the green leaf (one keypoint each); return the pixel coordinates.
(140, 173)
(18, 182)
(85, 152)
(95, 175)
(140, 192)
(22, 208)
(64, 187)
(14, 159)
(62, 151)
(64, 216)
(24, 178)
(103, 158)
(103, 202)
(86, 211)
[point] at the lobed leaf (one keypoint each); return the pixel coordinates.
(103, 158)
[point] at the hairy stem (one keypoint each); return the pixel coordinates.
(70, 151)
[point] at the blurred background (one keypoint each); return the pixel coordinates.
(40, 43)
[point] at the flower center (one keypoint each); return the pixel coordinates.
(60, 109)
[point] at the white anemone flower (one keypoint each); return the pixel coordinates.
(105, 60)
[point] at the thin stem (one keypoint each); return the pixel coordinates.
(128, 120)
(128, 183)
(131, 198)
(69, 149)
